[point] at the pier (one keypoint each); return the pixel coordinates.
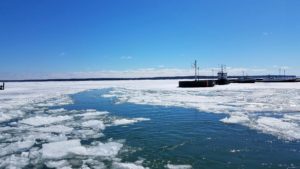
(2, 86)
(196, 82)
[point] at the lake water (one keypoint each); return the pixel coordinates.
(183, 136)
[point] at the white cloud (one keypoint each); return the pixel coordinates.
(147, 72)
(126, 57)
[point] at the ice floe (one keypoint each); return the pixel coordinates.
(16, 147)
(173, 166)
(91, 114)
(118, 165)
(58, 164)
(42, 120)
(56, 129)
(95, 124)
(58, 150)
(128, 121)
(14, 161)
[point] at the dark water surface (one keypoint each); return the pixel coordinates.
(186, 136)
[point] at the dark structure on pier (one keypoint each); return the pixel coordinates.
(222, 77)
(197, 82)
(244, 79)
(2, 86)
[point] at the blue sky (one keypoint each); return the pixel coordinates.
(69, 36)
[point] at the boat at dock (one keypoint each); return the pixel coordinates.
(222, 77)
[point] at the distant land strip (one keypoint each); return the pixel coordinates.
(138, 78)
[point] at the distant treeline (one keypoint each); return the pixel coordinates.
(142, 78)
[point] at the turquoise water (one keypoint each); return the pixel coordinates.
(186, 136)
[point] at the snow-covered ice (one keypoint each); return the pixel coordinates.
(272, 108)
(173, 166)
(129, 121)
(118, 165)
(95, 124)
(58, 150)
(42, 120)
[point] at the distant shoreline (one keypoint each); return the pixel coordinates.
(141, 78)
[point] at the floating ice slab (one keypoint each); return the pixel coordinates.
(14, 161)
(43, 120)
(118, 165)
(16, 147)
(173, 166)
(56, 129)
(58, 150)
(58, 164)
(95, 124)
(128, 121)
(91, 114)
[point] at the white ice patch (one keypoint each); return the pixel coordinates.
(57, 110)
(14, 161)
(56, 129)
(59, 101)
(173, 166)
(295, 117)
(279, 127)
(94, 124)
(118, 122)
(58, 164)
(91, 114)
(241, 119)
(9, 115)
(118, 165)
(58, 150)
(16, 147)
(43, 120)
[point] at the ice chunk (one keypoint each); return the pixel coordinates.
(56, 110)
(173, 166)
(43, 120)
(16, 147)
(56, 129)
(58, 164)
(9, 115)
(279, 127)
(118, 165)
(61, 149)
(95, 124)
(109, 149)
(92, 114)
(128, 121)
(14, 161)
(241, 119)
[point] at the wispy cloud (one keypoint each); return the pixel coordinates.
(126, 57)
(267, 33)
